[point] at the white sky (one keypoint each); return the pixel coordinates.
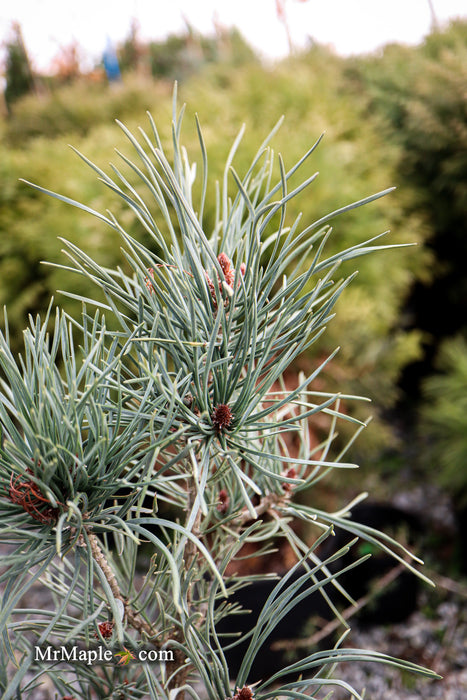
(350, 26)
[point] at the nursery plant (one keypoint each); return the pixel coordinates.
(149, 443)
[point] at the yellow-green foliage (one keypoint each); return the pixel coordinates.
(78, 108)
(354, 160)
(420, 93)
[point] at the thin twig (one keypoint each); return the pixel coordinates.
(448, 584)
(132, 617)
(269, 502)
(443, 649)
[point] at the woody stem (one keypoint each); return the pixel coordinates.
(132, 617)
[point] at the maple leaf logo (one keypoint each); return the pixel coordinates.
(126, 655)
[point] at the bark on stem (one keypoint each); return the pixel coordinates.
(269, 502)
(132, 617)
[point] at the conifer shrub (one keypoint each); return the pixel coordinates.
(149, 441)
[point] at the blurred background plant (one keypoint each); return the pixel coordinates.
(19, 76)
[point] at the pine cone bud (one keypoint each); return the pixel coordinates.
(222, 417)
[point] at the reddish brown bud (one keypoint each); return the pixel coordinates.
(245, 693)
(227, 269)
(229, 277)
(223, 501)
(106, 629)
(148, 280)
(222, 417)
(212, 289)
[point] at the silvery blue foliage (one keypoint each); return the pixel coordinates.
(155, 431)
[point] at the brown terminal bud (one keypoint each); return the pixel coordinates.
(227, 269)
(222, 417)
(106, 629)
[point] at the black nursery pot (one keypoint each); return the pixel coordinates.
(294, 625)
(399, 599)
(394, 604)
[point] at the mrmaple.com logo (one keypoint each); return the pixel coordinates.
(100, 655)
